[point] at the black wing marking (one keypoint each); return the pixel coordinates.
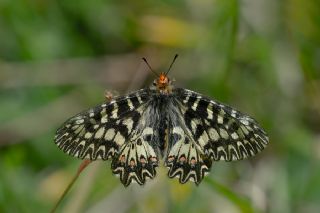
(113, 130)
(222, 132)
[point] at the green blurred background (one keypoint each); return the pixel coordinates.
(260, 56)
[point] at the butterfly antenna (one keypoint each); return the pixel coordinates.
(174, 59)
(145, 60)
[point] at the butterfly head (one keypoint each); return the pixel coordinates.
(163, 79)
(162, 84)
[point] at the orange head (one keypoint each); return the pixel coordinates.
(163, 80)
(163, 83)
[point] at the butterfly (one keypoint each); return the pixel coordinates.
(185, 129)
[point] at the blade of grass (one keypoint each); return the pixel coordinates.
(243, 203)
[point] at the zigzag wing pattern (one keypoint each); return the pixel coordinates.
(185, 159)
(137, 159)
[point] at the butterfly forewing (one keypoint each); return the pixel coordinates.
(222, 132)
(100, 131)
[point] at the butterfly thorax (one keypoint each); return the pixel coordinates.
(162, 84)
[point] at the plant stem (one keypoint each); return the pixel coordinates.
(82, 166)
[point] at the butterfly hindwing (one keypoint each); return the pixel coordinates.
(185, 159)
(137, 159)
